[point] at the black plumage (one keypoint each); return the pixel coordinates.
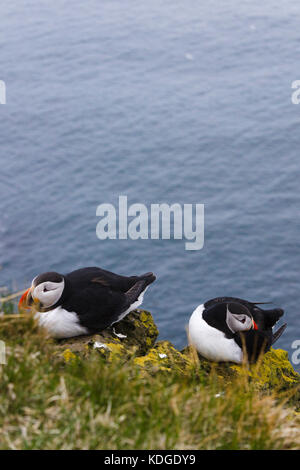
(255, 341)
(98, 297)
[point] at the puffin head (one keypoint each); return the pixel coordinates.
(239, 318)
(45, 291)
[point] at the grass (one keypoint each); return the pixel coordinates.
(47, 403)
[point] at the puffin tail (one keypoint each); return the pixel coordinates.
(272, 316)
(133, 294)
(148, 278)
(278, 333)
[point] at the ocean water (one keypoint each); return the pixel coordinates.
(162, 101)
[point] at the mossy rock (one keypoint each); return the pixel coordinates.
(274, 371)
(134, 335)
(205, 365)
(164, 357)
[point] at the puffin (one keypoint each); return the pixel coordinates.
(84, 301)
(234, 330)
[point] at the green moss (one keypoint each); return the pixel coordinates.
(164, 357)
(273, 371)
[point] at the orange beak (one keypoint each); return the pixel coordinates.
(24, 301)
(255, 327)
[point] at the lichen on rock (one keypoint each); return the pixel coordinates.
(134, 339)
(164, 357)
(274, 370)
(134, 335)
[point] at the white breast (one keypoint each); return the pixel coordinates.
(210, 342)
(63, 324)
(60, 323)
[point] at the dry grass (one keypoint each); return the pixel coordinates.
(48, 404)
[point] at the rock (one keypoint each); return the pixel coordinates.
(135, 334)
(274, 372)
(134, 339)
(164, 357)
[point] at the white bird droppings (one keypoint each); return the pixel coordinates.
(162, 356)
(119, 335)
(98, 345)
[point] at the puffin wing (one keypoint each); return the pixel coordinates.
(257, 342)
(99, 297)
(96, 306)
(254, 342)
(83, 277)
(278, 333)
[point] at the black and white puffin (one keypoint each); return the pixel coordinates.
(223, 328)
(84, 301)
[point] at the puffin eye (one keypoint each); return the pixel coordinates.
(45, 289)
(241, 319)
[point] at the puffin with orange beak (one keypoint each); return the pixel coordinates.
(84, 301)
(232, 329)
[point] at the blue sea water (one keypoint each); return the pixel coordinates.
(162, 101)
